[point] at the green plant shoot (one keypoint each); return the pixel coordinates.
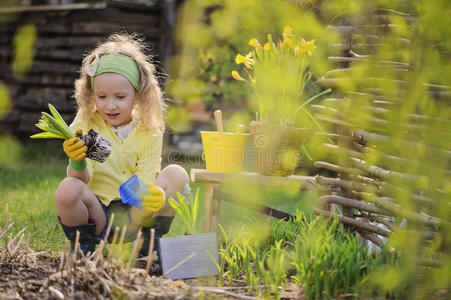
(53, 126)
(187, 208)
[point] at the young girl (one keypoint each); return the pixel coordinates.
(118, 96)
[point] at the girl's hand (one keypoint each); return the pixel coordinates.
(153, 201)
(75, 148)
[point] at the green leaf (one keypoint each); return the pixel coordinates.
(47, 129)
(57, 116)
(64, 129)
(314, 98)
(47, 135)
(196, 206)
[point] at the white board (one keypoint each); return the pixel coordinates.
(175, 249)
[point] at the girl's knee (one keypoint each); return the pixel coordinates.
(69, 191)
(176, 176)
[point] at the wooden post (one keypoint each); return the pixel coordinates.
(208, 205)
(214, 210)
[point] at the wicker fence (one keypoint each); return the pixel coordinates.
(379, 186)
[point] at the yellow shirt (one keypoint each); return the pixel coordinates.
(139, 153)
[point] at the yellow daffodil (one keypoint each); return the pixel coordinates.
(308, 46)
(255, 43)
(247, 60)
(237, 76)
(240, 59)
(287, 32)
(298, 49)
(285, 54)
(288, 43)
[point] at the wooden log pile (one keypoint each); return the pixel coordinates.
(379, 186)
(64, 34)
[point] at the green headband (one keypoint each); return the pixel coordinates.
(115, 63)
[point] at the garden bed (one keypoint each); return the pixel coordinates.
(21, 281)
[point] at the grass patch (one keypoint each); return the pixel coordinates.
(314, 253)
(29, 183)
(28, 187)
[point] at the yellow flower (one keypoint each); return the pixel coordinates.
(248, 61)
(254, 43)
(308, 46)
(288, 42)
(240, 59)
(267, 46)
(298, 49)
(236, 75)
(287, 32)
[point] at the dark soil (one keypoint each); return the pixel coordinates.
(20, 281)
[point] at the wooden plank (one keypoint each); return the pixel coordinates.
(115, 14)
(49, 66)
(176, 249)
(103, 27)
(293, 181)
(70, 42)
(143, 5)
(60, 7)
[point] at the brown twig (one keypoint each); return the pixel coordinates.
(373, 238)
(135, 250)
(18, 244)
(116, 232)
(107, 233)
(355, 223)
(360, 205)
(150, 253)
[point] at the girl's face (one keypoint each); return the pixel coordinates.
(114, 97)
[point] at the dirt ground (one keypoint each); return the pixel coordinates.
(20, 281)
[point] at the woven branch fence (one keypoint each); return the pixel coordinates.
(391, 167)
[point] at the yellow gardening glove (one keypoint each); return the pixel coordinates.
(75, 148)
(153, 201)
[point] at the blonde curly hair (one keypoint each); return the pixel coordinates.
(149, 106)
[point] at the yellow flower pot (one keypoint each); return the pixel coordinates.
(224, 151)
(277, 149)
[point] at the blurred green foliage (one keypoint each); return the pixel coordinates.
(24, 48)
(395, 88)
(398, 93)
(24, 41)
(5, 100)
(211, 32)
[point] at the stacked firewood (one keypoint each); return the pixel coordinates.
(379, 186)
(63, 34)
